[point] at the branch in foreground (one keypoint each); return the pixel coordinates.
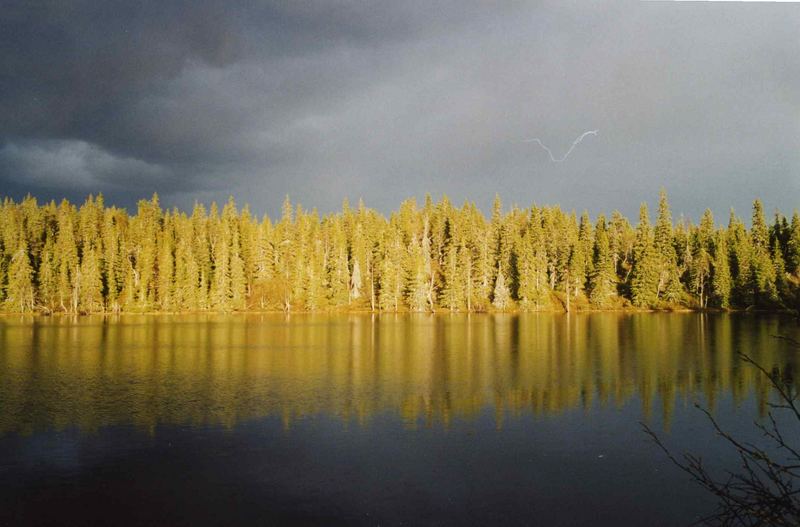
(764, 490)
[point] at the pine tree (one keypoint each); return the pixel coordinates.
(338, 268)
(721, 282)
(781, 282)
(391, 273)
(763, 278)
(793, 246)
(202, 250)
(19, 293)
(187, 270)
(416, 278)
(48, 276)
(145, 231)
(90, 282)
(220, 286)
(3, 272)
(453, 293)
(502, 295)
(466, 266)
(586, 243)
(646, 273)
(165, 284)
(67, 259)
(114, 224)
(700, 266)
(316, 298)
(741, 256)
(603, 279)
(669, 286)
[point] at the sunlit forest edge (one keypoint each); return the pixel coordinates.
(61, 258)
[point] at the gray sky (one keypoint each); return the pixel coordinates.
(387, 100)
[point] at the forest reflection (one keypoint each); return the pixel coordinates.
(211, 370)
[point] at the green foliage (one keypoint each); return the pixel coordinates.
(603, 279)
(20, 292)
(502, 295)
(646, 273)
(721, 282)
(60, 258)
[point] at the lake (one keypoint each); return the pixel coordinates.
(530, 419)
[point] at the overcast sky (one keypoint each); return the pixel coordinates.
(387, 100)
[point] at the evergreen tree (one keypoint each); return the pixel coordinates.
(700, 266)
(603, 279)
(721, 282)
(586, 244)
(165, 284)
(669, 286)
(502, 294)
(391, 273)
(67, 259)
(238, 278)
(793, 246)
(416, 278)
(763, 277)
(453, 292)
(219, 238)
(48, 276)
(316, 298)
(741, 255)
(90, 282)
(19, 293)
(202, 250)
(338, 268)
(187, 269)
(646, 274)
(145, 232)
(782, 290)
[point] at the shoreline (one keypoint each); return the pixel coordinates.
(624, 310)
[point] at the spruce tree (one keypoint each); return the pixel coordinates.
(238, 277)
(669, 286)
(763, 277)
(452, 295)
(165, 283)
(721, 282)
(700, 266)
(646, 272)
(502, 295)
(586, 243)
(20, 294)
(390, 280)
(90, 282)
(793, 246)
(740, 248)
(47, 291)
(416, 278)
(782, 290)
(67, 258)
(187, 270)
(602, 288)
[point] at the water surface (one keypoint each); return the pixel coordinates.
(322, 419)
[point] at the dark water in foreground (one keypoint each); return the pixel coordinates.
(486, 419)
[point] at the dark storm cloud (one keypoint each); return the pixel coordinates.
(323, 100)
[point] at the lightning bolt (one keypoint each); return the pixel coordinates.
(575, 143)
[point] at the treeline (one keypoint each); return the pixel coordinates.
(93, 258)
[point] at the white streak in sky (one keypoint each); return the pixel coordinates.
(571, 148)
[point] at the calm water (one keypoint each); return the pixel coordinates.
(481, 419)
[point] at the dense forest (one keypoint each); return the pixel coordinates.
(91, 259)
